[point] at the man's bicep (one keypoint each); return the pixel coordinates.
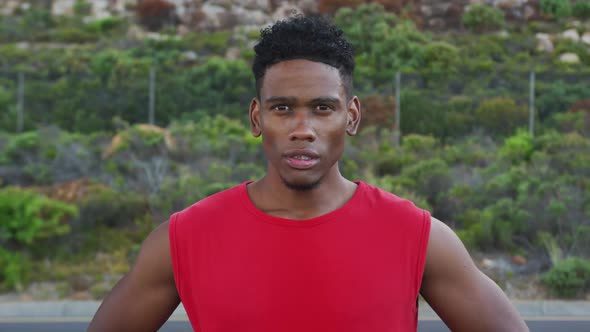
(464, 297)
(144, 298)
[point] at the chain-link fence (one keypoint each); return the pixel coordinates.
(443, 105)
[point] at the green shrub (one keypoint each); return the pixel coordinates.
(440, 57)
(430, 178)
(26, 216)
(556, 8)
(106, 207)
(581, 9)
(518, 147)
(568, 278)
(558, 96)
(364, 24)
(73, 35)
(501, 116)
(104, 25)
(480, 17)
(571, 121)
(15, 270)
(82, 8)
(421, 114)
(208, 43)
(460, 116)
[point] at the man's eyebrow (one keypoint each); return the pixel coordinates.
(292, 100)
(325, 100)
(287, 100)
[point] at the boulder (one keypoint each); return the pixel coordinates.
(190, 56)
(571, 34)
(586, 38)
(544, 43)
(571, 58)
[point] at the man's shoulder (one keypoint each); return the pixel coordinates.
(380, 202)
(220, 202)
(378, 196)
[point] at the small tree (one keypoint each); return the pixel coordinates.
(481, 18)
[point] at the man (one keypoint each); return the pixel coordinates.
(303, 248)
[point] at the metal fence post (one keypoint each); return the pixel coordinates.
(20, 103)
(152, 101)
(397, 126)
(532, 104)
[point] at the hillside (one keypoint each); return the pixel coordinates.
(115, 114)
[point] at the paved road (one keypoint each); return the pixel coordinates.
(182, 326)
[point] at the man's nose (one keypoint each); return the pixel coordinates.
(302, 128)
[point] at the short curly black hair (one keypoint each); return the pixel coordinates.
(312, 38)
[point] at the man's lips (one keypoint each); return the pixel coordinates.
(301, 158)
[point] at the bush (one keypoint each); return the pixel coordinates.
(105, 25)
(428, 178)
(569, 122)
(501, 116)
(558, 96)
(440, 57)
(26, 217)
(15, 270)
(208, 43)
(421, 114)
(82, 8)
(581, 9)
(105, 207)
(556, 8)
(568, 278)
(460, 116)
(480, 18)
(73, 35)
(518, 148)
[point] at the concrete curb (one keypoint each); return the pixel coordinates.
(86, 309)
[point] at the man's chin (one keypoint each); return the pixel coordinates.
(300, 185)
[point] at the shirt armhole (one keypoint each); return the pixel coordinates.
(422, 249)
(174, 252)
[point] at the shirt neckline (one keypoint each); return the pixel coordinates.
(262, 216)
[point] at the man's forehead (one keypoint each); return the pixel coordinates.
(302, 63)
(293, 77)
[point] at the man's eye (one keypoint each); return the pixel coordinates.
(323, 108)
(281, 108)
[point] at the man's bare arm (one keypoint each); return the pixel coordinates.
(464, 298)
(144, 298)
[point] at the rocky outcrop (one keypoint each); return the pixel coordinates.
(447, 13)
(217, 14)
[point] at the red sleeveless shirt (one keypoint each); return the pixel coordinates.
(358, 268)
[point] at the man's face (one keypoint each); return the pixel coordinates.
(303, 116)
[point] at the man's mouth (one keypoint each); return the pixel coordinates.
(301, 159)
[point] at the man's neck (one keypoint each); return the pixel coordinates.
(275, 198)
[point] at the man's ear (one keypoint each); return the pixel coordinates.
(354, 116)
(254, 115)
